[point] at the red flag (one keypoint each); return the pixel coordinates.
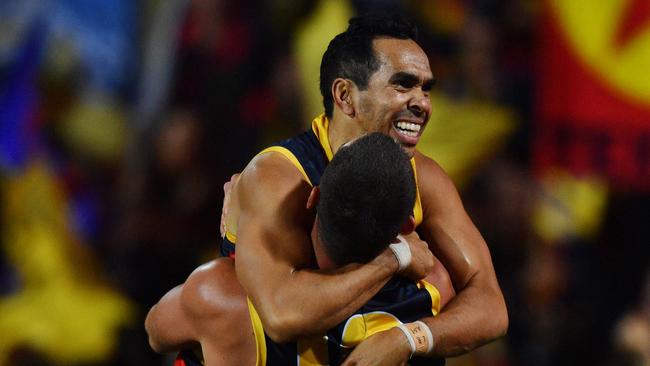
(593, 100)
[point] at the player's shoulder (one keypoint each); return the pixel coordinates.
(434, 184)
(270, 176)
(208, 286)
(428, 169)
(271, 170)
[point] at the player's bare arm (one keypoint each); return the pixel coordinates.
(477, 314)
(186, 314)
(168, 325)
(274, 260)
(191, 316)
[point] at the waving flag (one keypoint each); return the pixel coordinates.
(54, 299)
(594, 91)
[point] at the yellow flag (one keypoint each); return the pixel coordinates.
(462, 134)
(62, 308)
(328, 19)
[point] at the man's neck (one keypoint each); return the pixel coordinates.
(341, 130)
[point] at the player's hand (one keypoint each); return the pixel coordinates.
(421, 258)
(387, 348)
(226, 202)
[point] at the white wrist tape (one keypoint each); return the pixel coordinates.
(419, 337)
(409, 336)
(427, 334)
(402, 252)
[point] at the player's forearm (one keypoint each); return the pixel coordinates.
(311, 302)
(476, 316)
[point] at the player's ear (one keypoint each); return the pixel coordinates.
(342, 90)
(409, 226)
(314, 196)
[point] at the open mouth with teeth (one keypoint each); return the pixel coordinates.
(408, 129)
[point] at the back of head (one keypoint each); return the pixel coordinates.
(350, 54)
(367, 193)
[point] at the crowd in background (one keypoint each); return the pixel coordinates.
(120, 121)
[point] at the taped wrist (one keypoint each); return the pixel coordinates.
(419, 337)
(402, 252)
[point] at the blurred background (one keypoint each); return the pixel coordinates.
(120, 121)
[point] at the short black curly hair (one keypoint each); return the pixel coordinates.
(350, 54)
(367, 193)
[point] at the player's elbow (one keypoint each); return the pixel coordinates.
(496, 319)
(499, 319)
(151, 329)
(286, 325)
(493, 324)
(155, 345)
(279, 334)
(502, 322)
(158, 332)
(281, 327)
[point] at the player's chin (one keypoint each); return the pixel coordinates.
(410, 150)
(407, 142)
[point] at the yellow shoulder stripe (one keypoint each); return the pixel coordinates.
(258, 332)
(320, 126)
(417, 209)
(290, 156)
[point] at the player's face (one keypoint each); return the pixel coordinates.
(396, 101)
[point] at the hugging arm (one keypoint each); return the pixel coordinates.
(208, 306)
(168, 324)
(477, 313)
(274, 259)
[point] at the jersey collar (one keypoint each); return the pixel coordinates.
(320, 126)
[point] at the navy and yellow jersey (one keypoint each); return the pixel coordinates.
(310, 152)
(399, 301)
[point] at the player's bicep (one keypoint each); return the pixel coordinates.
(272, 239)
(260, 263)
(448, 229)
